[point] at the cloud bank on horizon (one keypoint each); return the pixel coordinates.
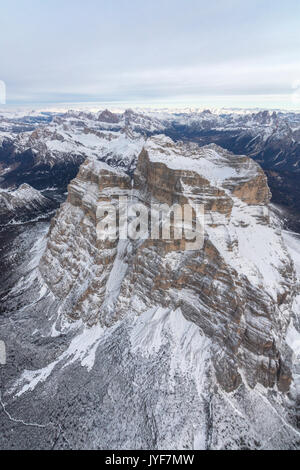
(222, 52)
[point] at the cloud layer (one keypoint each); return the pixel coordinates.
(159, 51)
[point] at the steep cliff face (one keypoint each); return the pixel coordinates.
(238, 289)
(23, 204)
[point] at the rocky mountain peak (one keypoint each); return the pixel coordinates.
(228, 289)
(21, 204)
(108, 116)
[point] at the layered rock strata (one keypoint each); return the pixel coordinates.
(238, 288)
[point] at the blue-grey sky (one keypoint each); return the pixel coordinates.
(218, 52)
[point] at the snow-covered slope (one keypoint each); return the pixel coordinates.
(292, 241)
(22, 204)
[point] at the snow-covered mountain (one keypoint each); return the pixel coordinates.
(142, 344)
(46, 149)
(51, 154)
(23, 204)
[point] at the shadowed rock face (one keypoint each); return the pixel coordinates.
(167, 186)
(107, 116)
(238, 288)
(23, 204)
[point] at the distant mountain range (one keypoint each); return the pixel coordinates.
(47, 149)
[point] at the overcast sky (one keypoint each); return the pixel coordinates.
(192, 52)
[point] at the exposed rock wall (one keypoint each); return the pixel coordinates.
(238, 288)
